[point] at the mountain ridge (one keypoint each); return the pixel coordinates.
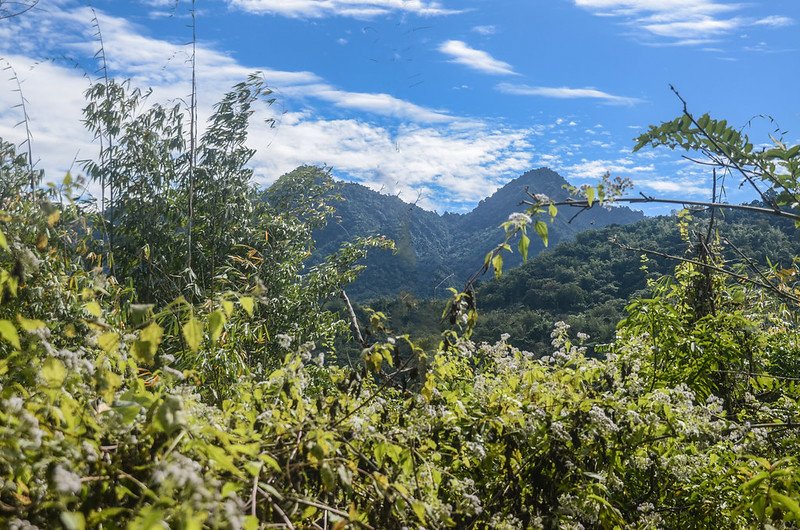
(436, 251)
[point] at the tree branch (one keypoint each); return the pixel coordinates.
(583, 203)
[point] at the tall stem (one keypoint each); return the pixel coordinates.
(192, 137)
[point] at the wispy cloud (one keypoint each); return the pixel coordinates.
(375, 103)
(343, 8)
(774, 21)
(593, 169)
(681, 22)
(461, 53)
(485, 30)
(565, 93)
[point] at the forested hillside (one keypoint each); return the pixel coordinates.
(435, 252)
(587, 282)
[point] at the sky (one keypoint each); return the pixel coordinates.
(441, 102)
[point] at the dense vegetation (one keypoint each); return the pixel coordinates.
(185, 377)
(586, 282)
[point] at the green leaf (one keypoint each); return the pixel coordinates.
(541, 229)
(419, 510)
(53, 372)
(193, 333)
(3, 241)
(248, 304)
(216, 323)
(788, 503)
(552, 210)
(9, 333)
(524, 243)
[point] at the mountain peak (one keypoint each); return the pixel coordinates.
(437, 251)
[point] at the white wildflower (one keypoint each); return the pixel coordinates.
(519, 218)
(21, 524)
(284, 340)
(13, 404)
(65, 481)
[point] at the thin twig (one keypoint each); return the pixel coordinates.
(353, 319)
(332, 510)
(583, 203)
(730, 273)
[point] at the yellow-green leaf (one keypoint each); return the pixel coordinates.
(216, 323)
(3, 242)
(248, 304)
(524, 243)
(149, 340)
(93, 308)
(53, 372)
(497, 264)
(9, 333)
(73, 520)
(30, 324)
(419, 510)
(590, 196)
(541, 229)
(53, 218)
(193, 333)
(108, 341)
(227, 306)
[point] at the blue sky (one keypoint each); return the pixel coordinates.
(439, 101)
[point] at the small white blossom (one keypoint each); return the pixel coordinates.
(519, 218)
(284, 340)
(65, 481)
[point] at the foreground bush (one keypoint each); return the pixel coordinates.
(101, 426)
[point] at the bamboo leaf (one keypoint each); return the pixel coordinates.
(248, 304)
(193, 333)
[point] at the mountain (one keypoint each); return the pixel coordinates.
(435, 251)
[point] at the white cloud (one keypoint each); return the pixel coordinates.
(565, 93)
(681, 22)
(485, 30)
(479, 60)
(705, 26)
(775, 21)
(593, 169)
(378, 139)
(685, 187)
(464, 163)
(344, 8)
